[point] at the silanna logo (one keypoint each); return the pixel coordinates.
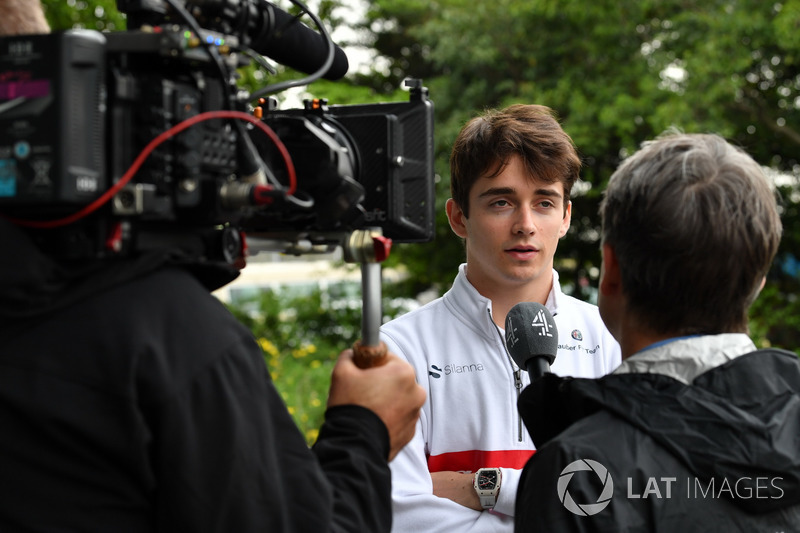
(449, 369)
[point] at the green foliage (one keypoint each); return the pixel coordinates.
(617, 73)
(302, 334)
(100, 15)
(765, 329)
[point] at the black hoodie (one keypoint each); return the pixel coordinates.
(646, 452)
(131, 400)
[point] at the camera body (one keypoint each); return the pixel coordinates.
(84, 122)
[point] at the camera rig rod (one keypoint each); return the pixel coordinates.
(369, 248)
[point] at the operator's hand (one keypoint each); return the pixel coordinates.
(456, 486)
(390, 391)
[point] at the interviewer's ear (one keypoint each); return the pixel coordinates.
(610, 277)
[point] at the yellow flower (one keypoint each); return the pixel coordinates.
(303, 351)
(268, 347)
(315, 402)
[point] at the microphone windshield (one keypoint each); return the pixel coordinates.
(531, 332)
(292, 43)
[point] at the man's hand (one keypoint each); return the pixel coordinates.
(456, 486)
(390, 391)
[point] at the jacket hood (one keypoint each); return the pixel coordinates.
(738, 421)
(33, 283)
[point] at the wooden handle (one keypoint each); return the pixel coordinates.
(369, 356)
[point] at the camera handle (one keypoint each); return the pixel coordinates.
(369, 248)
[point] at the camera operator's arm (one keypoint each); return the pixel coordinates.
(227, 452)
(390, 391)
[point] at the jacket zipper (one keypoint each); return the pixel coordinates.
(517, 374)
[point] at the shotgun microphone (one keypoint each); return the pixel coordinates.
(531, 338)
(292, 43)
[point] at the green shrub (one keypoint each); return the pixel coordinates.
(301, 335)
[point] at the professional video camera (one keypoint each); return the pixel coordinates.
(115, 143)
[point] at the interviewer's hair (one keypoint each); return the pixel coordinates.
(486, 143)
(18, 17)
(695, 226)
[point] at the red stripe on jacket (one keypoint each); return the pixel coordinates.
(472, 460)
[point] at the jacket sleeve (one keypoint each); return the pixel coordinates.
(414, 506)
(227, 456)
(352, 448)
(507, 498)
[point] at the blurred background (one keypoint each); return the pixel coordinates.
(616, 72)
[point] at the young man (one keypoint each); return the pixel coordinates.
(511, 176)
(696, 430)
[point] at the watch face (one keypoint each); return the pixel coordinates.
(487, 480)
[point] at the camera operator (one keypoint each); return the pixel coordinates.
(131, 400)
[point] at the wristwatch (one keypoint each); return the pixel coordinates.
(487, 485)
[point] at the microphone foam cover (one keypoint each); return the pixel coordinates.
(531, 332)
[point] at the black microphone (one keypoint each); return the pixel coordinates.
(262, 26)
(531, 338)
(290, 42)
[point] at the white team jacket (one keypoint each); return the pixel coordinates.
(470, 417)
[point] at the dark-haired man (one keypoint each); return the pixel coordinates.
(512, 172)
